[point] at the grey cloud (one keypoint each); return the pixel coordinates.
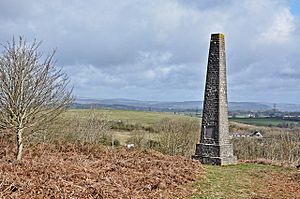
(158, 49)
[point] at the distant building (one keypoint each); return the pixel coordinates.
(255, 134)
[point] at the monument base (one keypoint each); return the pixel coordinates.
(216, 160)
(215, 154)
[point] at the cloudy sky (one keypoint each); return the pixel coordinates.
(157, 49)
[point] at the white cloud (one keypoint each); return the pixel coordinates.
(150, 74)
(281, 29)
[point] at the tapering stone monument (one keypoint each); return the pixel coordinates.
(215, 147)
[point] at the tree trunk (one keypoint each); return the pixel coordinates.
(19, 143)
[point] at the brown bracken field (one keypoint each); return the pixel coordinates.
(86, 171)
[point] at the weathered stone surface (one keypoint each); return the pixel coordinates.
(215, 147)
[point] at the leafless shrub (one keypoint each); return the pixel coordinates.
(93, 128)
(283, 148)
(178, 136)
(32, 91)
(138, 138)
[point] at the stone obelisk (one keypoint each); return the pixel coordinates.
(215, 147)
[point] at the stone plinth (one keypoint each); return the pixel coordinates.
(215, 146)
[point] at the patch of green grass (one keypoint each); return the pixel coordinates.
(234, 181)
(124, 136)
(263, 121)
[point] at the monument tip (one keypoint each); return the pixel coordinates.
(217, 37)
(217, 34)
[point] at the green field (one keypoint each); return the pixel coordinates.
(263, 121)
(149, 118)
(136, 117)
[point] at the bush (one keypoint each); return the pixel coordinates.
(117, 142)
(178, 136)
(153, 144)
(279, 148)
(137, 138)
(92, 129)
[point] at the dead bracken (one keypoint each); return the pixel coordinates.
(86, 171)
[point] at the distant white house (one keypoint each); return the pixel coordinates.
(255, 134)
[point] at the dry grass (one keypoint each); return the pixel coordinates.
(244, 181)
(92, 171)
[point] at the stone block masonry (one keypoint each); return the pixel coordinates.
(215, 146)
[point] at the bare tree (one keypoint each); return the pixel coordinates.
(32, 90)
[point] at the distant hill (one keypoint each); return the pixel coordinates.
(129, 104)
